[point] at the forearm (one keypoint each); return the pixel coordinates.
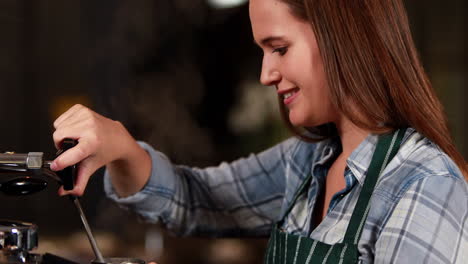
(225, 200)
(130, 174)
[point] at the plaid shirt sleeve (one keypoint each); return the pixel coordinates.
(428, 224)
(243, 197)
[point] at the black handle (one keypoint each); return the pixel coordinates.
(68, 174)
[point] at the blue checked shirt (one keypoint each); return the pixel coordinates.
(418, 212)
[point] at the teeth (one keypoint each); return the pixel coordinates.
(287, 95)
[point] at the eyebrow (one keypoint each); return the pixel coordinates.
(267, 40)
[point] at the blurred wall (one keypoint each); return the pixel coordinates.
(180, 75)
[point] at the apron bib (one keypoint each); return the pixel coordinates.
(284, 248)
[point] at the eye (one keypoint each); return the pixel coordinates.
(281, 50)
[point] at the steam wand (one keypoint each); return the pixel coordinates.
(91, 238)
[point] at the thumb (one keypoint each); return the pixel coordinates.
(72, 156)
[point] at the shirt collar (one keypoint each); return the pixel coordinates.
(328, 150)
(359, 160)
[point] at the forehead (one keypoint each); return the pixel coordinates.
(266, 9)
(273, 17)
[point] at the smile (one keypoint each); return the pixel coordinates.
(289, 95)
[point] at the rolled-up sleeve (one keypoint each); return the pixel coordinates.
(240, 198)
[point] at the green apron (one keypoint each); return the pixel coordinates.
(293, 249)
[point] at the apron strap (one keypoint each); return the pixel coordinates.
(386, 149)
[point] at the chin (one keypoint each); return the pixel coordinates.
(297, 120)
(304, 121)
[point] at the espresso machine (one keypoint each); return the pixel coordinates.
(24, 174)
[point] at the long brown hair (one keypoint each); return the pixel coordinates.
(372, 64)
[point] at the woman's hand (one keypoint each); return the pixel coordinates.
(101, 141)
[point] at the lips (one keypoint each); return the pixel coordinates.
(288, 95)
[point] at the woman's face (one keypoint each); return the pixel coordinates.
(291, 62)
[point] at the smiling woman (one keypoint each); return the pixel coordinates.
(292, 63)
(381, 181)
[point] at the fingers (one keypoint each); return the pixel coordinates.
(72, 156)
(85, 169)
(69, 113)
(75, 124)
(81, 131)
(96, 136)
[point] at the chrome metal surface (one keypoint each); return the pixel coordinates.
(13, 159)
(31, 160)
(17, 236)
(34, 160)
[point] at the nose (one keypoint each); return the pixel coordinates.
(270, 74)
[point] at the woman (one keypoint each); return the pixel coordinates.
(383, 183)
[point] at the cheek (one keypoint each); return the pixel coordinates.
(298, 70)
(315, 90)
(312, 81)
(316, 74)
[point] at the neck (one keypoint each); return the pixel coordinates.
(350, 135)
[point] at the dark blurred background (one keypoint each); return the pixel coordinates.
(181, 75)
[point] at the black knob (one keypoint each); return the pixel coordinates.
(68, 174)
